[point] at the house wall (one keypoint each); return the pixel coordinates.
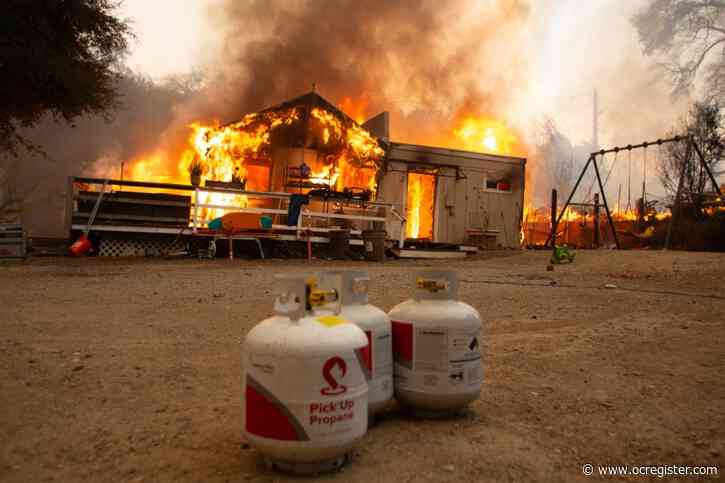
(462, 200)
(392, 189)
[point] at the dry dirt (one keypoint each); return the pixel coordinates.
(129, 370)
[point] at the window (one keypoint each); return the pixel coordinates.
(497, 185)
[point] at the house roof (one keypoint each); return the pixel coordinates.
(311, 99)
(415, 152)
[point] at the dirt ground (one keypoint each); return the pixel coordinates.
(129, 370)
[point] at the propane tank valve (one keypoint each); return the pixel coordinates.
(321, 297)
(430, 285)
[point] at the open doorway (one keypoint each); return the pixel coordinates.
(419, 206)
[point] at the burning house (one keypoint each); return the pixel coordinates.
(347, 175)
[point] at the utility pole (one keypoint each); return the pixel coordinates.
(595, 123)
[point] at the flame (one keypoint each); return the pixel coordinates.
(419, 212)
(356, 164)
(351, 155)
(487, 135)
(355, 108)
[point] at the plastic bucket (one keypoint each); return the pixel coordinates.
(339, 244)
(265, 222)
(374, 241)
(80, 246)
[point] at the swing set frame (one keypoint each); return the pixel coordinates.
(593, 161)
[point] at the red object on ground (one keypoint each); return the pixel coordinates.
(80, 246)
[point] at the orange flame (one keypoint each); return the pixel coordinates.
(355, 108)
(242, 150)
(487, 135)
(419, 211)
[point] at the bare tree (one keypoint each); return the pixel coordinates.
(555, 153)
(704, 125)
(690, 36)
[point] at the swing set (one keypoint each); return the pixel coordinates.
(592, 161)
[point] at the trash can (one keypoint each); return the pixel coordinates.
(374, 241)
(339, 244)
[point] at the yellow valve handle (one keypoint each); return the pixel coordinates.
(320, 297)
(430, 285)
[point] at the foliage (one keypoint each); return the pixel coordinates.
(58, 57)
(690, 36)
(705, 126)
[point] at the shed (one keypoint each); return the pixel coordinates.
(454, 196)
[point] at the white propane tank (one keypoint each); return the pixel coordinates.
(304, 394)
(436, 347)
(353, 289)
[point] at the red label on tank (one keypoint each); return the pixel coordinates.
(403, 343)
(368, 351)
(333, 387)
(365, 356)
(267, 417)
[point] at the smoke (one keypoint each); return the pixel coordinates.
(421, 61)
(428, 63)
(91, 145)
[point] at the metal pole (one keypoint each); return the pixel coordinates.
(606, 206)
(309, 244)
(676, 205)
(553, 216)
(596, 220)
(573, 191)
(641, 145)
(196, 210)
(707, 168)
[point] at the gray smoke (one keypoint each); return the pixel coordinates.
(91, 145)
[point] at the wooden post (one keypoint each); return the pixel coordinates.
(596, 220)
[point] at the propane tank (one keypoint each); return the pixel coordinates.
(436, 347)
(304, 394)
(353, 289)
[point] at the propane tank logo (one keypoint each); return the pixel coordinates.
(333, 388)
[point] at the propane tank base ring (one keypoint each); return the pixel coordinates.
(319, 467)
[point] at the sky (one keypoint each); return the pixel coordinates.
(169, 39)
